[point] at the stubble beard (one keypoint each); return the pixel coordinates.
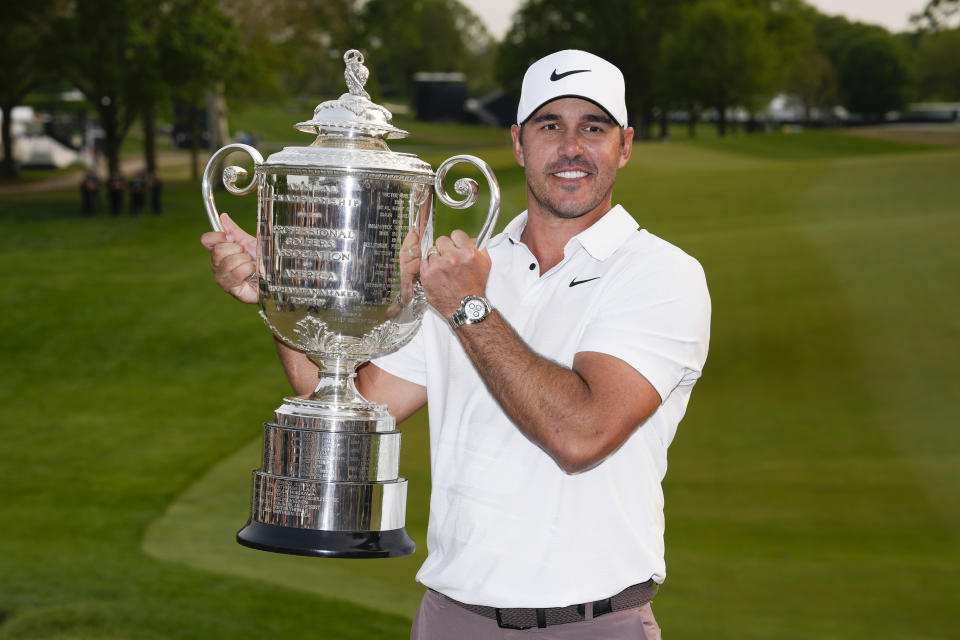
(571, 210)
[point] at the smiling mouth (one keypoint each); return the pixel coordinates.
(571, 174)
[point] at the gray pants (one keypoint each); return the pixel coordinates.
(439, 619)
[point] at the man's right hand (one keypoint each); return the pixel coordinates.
(233, 254)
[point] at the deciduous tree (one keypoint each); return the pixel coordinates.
(128, 56)
(95, 45)
(24, 38)
(198, 50)
(402, 38)
(628, 33)
(813, 80)
(937, 15)
(938, 65)
(295, 47)
(722, 56)
(874, 75)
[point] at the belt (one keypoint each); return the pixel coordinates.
(629, 598)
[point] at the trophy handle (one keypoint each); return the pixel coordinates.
(230, 177)
(467, 187)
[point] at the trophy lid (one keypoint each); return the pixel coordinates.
(351, 132)
(353, 112)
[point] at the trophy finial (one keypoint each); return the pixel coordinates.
(353, 112)
(355, 73)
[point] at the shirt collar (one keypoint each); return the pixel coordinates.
(600, 240)
(511, 232)
(606, 235)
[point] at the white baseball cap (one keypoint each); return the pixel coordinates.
(573, 74)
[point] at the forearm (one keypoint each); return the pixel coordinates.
(551, 404)
(579, 414)
(402, 398)
(300, 370)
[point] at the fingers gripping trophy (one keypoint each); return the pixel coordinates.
(332, 218)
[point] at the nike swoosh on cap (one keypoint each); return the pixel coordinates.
(575, 282)
(559, 76)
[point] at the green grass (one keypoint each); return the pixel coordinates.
(803, 145)
(119, 392)
(813, 487)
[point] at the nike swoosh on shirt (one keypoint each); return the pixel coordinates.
(559, 76)
(575, 282)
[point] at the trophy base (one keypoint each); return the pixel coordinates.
(326, 544)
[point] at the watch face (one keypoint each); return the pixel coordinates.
(475, 309)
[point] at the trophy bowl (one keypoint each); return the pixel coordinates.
(332, 217)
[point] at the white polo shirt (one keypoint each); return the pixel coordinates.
(508, 527)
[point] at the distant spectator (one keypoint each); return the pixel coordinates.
(115, 189)
(90, 193)
(155, 189)
(138, 194)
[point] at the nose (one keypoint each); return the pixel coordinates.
(572, 145)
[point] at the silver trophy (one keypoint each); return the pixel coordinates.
(331, 219)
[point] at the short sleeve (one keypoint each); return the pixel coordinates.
(656, 319)
(407, 362)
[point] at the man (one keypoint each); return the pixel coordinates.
(557, 364)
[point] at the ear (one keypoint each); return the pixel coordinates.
(517, 146)
(627, 147)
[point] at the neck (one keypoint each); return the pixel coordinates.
(546, 234)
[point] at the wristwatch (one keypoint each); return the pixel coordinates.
(473, 309)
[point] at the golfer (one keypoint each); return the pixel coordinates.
(557, 364)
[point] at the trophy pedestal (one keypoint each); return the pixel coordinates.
(326, 544)
(328, 486)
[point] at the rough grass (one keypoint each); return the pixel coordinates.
(813, 484)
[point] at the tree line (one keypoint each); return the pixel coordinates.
(129, 58)
(694, 55)
(133, 58)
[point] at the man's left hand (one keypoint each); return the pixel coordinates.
(453, 270)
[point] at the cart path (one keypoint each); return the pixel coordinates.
(73, 179)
